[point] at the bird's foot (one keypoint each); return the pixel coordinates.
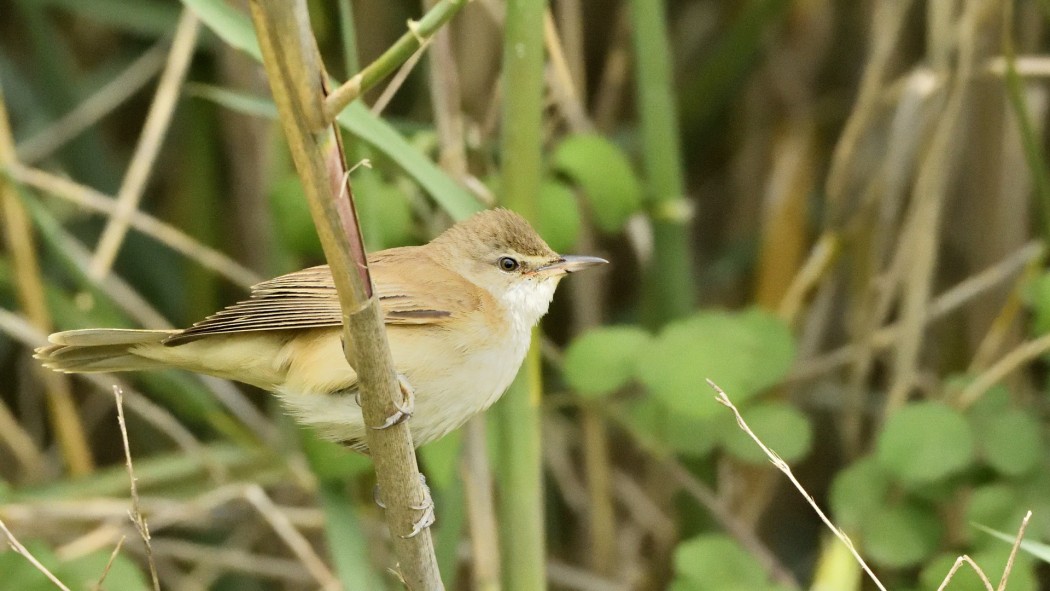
(425, 520)
(428, 517)
(403, 409)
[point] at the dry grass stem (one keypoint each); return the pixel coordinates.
(948, 302)
(399, 79)
(20, 549)
(136, 511)
(1013, 551)
(560, 79)
(1024, 353)
(19, 442)
(964, 559)
(109, 564)
(29, 287)
(95, 107)
(295, 541)
(160, 231)
(781, 465)
(153, 132)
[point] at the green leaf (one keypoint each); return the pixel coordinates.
(291, 218)
(925, 442)
(902, 536)
(994, 505)
(559, 216)
(688, 436)
(858, 490)
(441, 459)
(1011, 443)
(714, 561)
(1037, 295)
(604, 360)
(744, 353)
(604, 174)
(782, 427)
(1039, 550)
(149, 17)
(231, 25)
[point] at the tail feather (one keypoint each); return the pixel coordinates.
(100, 350)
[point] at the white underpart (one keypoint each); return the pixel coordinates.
(446, 394)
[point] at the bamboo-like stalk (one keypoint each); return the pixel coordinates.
(668, 283)
(30, 286)
(296, 75)
(520, 508)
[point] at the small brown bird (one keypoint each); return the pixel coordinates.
(459, 312)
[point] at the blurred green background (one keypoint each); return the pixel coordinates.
(836, 211)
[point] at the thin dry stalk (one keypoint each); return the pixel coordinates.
(560, 79)
(476, 473)
(295, 541)
(964, 559)
(781, 465)
(399, 79)
(160, 231)
(948, 302)
(1024, 353)
(1013, 551)
(109, 564)
(136, 511)
(20, 549)
(19, 442)
(154, 130)
(29, 284)
(95, 107)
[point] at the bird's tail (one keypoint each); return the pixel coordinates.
(97, 350)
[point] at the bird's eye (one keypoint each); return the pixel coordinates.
(507, 264)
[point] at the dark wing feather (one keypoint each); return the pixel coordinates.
(406, 280)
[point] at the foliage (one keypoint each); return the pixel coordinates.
(902, 372)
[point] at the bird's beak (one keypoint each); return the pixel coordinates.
(571, 263)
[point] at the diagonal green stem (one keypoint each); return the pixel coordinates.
(418, 35)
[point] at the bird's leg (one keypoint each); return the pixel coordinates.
(405, 408)
(427, 507)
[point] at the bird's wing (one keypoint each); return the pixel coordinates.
(412, 290)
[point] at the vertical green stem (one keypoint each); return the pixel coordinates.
(520, 466)
(669, 283)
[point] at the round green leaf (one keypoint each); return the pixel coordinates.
(603, 360)
(998, 506)
(604, 174)
(925, 442)
(558, 217)
(1010, 442)
(689, 436)
(902, 536)
(857, 491)
(744, 353)
(782, 427)
(716, 562)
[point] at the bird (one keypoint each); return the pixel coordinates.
(458, 311)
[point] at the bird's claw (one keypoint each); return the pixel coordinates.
(428, 517)
(404, 409)
(426, 506)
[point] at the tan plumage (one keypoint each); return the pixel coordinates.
(458, 328)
